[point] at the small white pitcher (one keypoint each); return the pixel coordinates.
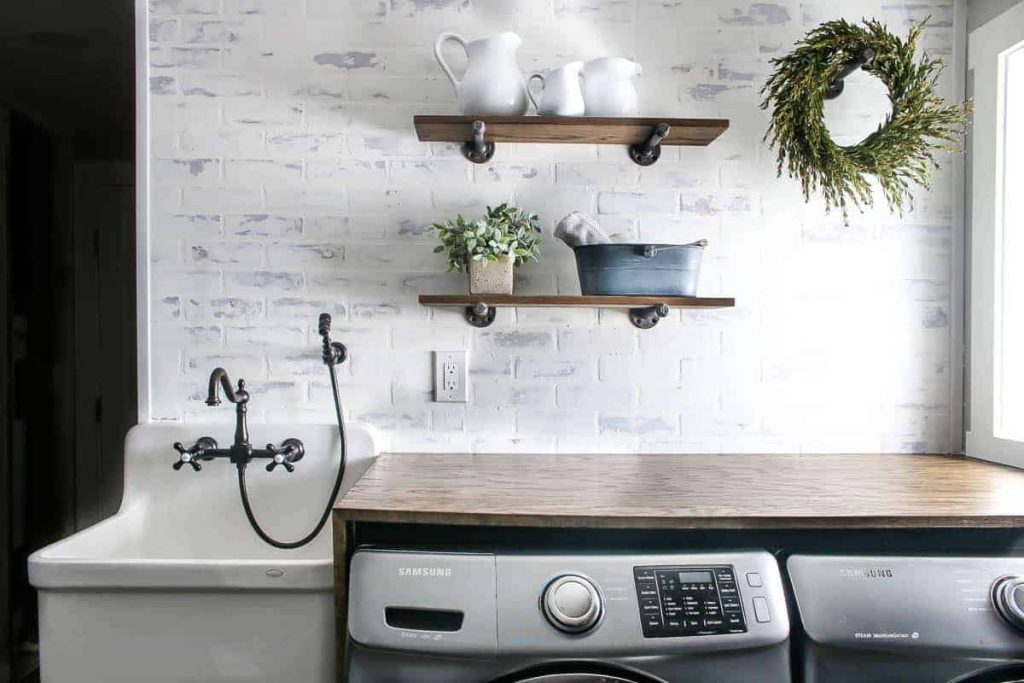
(561, 94)
(493, 83)
(609, 86)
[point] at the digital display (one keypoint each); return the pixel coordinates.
(695, 577)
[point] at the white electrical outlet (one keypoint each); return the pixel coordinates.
(450, 377)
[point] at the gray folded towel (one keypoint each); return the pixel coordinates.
(580, 228)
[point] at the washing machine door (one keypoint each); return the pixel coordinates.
(998, 674)
(577, 673)
(582, 678)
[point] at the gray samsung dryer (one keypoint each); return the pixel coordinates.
(909, 619)
(418, 617)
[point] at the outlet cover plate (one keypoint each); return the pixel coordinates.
(450, 376)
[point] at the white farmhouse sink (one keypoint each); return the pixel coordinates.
(177, 587)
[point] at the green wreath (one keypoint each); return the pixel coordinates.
(901, 151)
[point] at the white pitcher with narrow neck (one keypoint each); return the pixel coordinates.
(609, 86)
(561, 95)
(493, 83)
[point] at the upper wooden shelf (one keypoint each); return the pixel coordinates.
(644, 311)
(642, 134)
(569, 129)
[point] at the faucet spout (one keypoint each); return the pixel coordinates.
(220, 376)
(241, 450)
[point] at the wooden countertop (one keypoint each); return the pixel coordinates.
(687, 491)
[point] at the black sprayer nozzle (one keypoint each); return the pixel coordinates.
(335, 353)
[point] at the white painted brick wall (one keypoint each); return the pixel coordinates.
(287, 180)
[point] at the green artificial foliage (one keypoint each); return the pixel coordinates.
(503, 230)
(900, 152)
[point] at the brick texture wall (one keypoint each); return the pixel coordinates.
(287, 180)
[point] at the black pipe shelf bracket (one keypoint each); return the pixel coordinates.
(646, 153)
(837, 84)
(648, 317)
(644, 311)
(480, 314)
(478, 150)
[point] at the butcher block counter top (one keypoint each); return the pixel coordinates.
(687, 491)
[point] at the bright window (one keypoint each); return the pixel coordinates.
(996, 241)
(1009, 358)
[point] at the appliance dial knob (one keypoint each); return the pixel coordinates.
(572, 604)
(1008, 600)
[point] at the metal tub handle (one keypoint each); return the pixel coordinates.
(651, 250)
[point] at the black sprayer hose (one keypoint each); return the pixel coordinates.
(333, 354)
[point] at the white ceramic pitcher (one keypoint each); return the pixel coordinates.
(561, 95)
(493, 83)
(609, 86)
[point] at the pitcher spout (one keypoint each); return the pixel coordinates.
(505, 44)
(509, 38)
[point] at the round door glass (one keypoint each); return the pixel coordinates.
(582, 678)
(578, 674)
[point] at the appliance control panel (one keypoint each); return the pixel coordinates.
(960, 604)
(688, 600)
(567, 605)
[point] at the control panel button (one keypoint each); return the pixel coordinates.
(754, 580)
(572, 604)
(761, 612)
(650, 606)
(647, 589)
(644, 574)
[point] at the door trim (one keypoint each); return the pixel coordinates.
(6, 499)
(142, 263)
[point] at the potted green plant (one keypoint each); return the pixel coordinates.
(490, 246)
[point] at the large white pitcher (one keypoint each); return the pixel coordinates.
(493, 83)
(609, 86)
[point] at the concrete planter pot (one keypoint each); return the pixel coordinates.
(491, 278)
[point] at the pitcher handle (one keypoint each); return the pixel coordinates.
(529, 81)
(448, 35)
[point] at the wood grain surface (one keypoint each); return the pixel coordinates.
(687, 491)
(569, 129)
(582, 301)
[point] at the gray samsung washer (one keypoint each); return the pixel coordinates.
(910, 619)
(512, 618)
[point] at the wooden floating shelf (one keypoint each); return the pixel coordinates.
(569, 129)
(644, 135)
(556, 300)
(644, 311)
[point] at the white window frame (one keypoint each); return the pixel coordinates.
(987, 49)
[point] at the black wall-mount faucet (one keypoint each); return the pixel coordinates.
(241, 452)
(291, 450)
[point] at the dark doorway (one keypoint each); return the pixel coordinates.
(68, 384)
(42, 473)
(69, 368)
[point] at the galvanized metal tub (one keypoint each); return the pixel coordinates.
(639, 269)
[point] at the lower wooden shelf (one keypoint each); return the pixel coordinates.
(644, 311)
